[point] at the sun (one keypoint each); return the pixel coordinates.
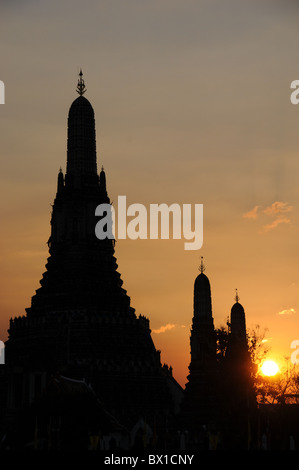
(269, 368)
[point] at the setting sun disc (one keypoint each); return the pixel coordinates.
(269, 368)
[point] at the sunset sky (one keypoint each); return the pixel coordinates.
(192, 105)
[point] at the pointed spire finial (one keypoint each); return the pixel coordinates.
(237, 296)
(103, 181)
(202, 266)
(81, 88)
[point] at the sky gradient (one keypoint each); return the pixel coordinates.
(192, 105)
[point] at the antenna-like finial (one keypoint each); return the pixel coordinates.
(202, 266)
(81, 89)
(237, 296)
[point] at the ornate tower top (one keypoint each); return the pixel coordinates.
(238, 321)
(202, 294)
(81, 88)
(81, 143)
(202, 266)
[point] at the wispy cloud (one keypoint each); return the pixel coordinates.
(276, 222)
(169, 326)
(251, 214)
(288, 311)
(276, 210)
(265, 340)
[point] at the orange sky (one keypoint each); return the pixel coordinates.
(192, 105)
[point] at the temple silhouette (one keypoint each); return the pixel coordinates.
(81, 369)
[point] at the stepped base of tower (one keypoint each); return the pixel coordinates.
(112, 354)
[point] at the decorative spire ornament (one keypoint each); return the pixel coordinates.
(81, 88)
(202, 266)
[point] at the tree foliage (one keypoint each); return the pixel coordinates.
(283, 387)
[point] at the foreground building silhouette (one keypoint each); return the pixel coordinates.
(80, 340)
(218, 398)
(200, 404)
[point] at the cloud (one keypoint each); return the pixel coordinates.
(288, 311)
(278, 208)
(251, 214)
(275, 223)
(265, 340)
(169, 326)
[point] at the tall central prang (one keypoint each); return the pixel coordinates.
(80, 324)
(81, 270)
